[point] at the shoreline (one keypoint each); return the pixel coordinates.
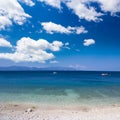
(22, 111)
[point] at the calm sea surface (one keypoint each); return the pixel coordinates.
(62, 87)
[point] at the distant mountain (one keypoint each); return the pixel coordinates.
(23, 68)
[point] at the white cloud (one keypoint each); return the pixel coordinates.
(112, 6)
(51, 28)
(88, 42)
(79, 8)
(4, 43)
(27, 2)
(77, 30)
(29, 50)
(11, 11)
(67, 43)
(53, 3)
(55, 46)
(82, 11)
(4, 22)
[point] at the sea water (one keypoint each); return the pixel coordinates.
(61, 87)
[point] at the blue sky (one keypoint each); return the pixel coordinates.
(82, 34)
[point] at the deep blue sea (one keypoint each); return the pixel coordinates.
(61, 87)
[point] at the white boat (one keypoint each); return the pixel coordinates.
(54, 73)
(104, 74)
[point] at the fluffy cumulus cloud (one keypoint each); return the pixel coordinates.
(11, 11)
(88, 42)
(53, 3)
(84, 10)
(4, 22)
(29, 50)
(51, 28)
(79, 8)
(112, 6)
(27, 2)
(77, 30)
(4, 43)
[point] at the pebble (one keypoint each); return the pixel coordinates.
(29, 110)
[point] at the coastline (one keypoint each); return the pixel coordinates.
(29, 111)
(77, 96)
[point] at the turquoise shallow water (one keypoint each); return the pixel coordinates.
(61, 88)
